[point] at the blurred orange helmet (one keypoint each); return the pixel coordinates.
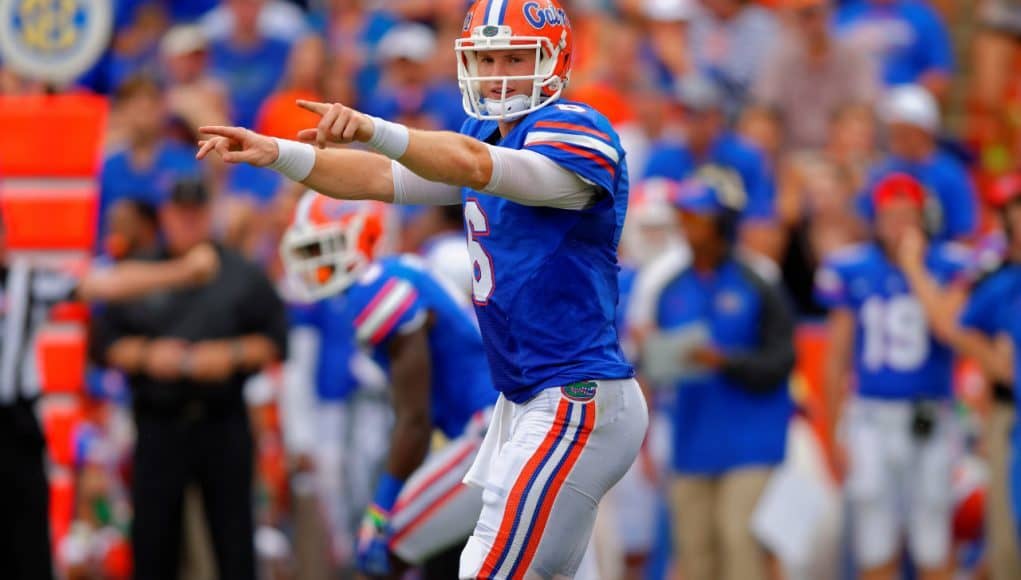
(330, 241)
(490, 25)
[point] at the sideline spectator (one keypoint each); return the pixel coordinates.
(728, 41)
(810, 75)
(906, 38)
(996, 48)
(278, 19)
(135, 48)
(248, 61)
(708, 143)
(187, 355)
(191, 94)
(408, 92)
(668, 23)
(732, 407)
(279, 116)
(149, 164)
(911, 117)
(353, 29)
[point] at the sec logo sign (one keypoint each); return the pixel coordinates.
(54, 40)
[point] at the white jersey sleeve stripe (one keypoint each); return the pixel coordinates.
(392, 299)
(592, 143)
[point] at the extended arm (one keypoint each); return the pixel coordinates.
(436, 157)
(132, 279)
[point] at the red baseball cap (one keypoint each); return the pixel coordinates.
(898, 186)
(1005, 190)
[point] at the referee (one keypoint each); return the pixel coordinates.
(24, 493)
(27, 293)
(187, 354)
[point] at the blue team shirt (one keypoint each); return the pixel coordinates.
(334, 377)
(545, 287)
(398, 293)
(256, 183)
(251, 74)
(986, 307)
(906, 36)
(895, 354)
(718, 426)
(121, 180)
(440, 102)
(673, 160)
(1009, 316)
(946, 180)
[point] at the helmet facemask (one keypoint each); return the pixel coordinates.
(546, 85)
(324, 260)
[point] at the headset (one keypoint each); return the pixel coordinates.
(732, 196)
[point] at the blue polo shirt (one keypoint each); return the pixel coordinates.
(718, 425)
(674, 160)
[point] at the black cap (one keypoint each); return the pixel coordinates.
(189, 192)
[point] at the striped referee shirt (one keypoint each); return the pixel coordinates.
(27, 294)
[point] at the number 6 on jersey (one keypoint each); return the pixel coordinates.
(483, 283)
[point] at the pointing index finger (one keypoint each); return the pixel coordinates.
(237, 133)
(317, 108)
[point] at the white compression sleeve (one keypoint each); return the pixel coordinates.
(410, 189)
(530, 178)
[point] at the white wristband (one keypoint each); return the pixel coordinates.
(294, 160)
(390, 139)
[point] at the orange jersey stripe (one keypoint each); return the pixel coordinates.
(578, 151)
(573, 127)
(419, 489)
(420, 518)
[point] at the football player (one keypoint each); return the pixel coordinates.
(890, 325)
(543, 183)
(421, 332)
(982, 338)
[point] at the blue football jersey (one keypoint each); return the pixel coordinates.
(334, 375)
(545, 279)
(895, 354)
(397, 294)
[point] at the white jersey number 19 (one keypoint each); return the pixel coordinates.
(896, 334)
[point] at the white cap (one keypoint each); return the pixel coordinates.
(668, 10)
(911, 105)
(183, 39)
(414, 42)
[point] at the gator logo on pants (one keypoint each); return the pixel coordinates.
(581, 391)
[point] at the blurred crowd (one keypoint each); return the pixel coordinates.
(807, 107)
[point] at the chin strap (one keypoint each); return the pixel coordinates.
(508, 108)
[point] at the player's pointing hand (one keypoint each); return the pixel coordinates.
(237, 145)
(337, 124)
